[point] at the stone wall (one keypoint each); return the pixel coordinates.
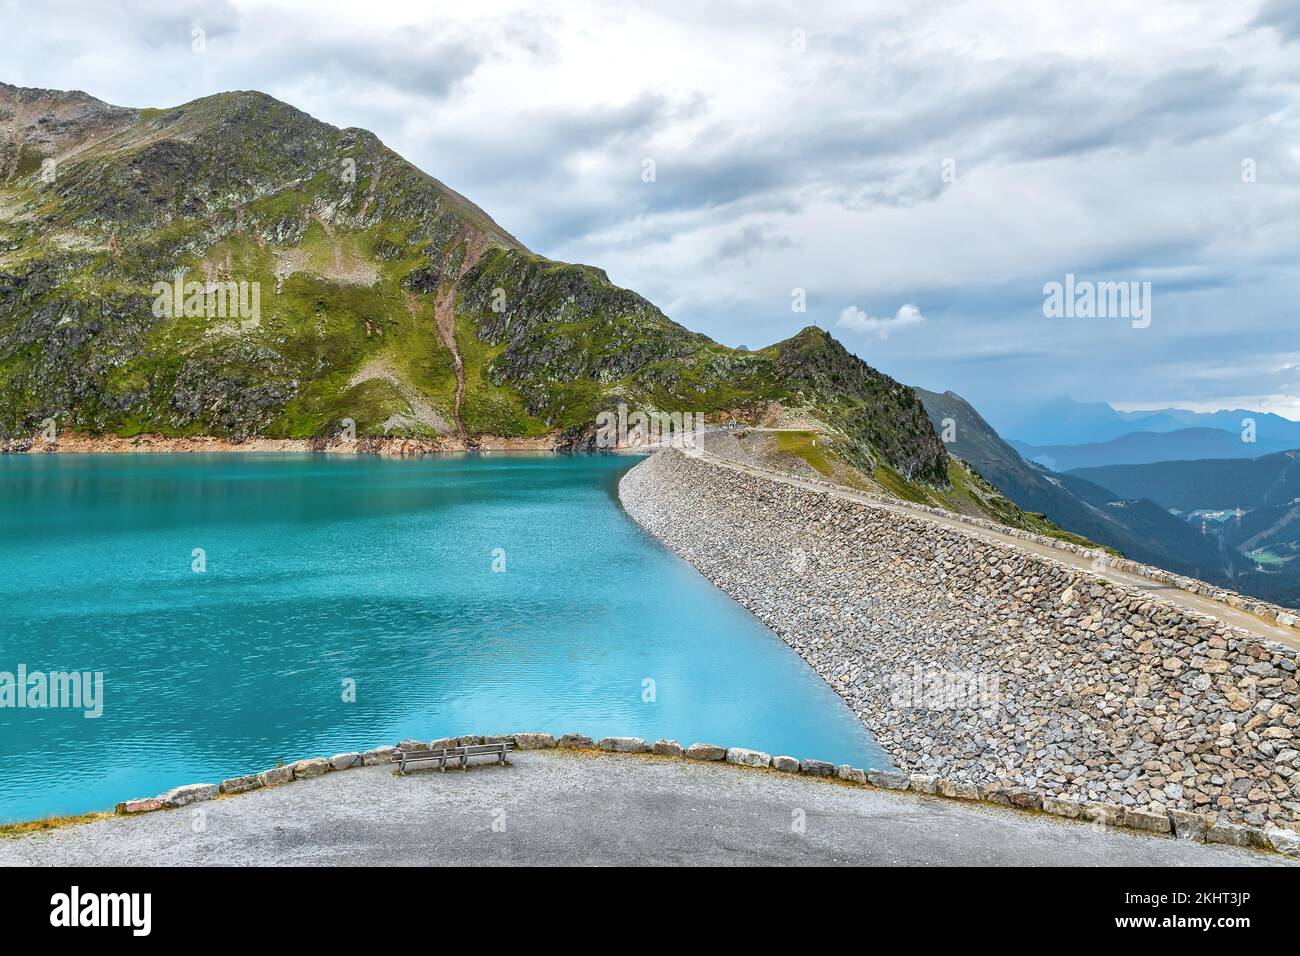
(988, 665)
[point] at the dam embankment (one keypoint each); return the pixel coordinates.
(987, 664)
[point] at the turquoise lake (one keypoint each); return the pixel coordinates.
(328, 573)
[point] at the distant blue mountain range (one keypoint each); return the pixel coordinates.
(1231, 519)
(1063, 421)
(1145, 447)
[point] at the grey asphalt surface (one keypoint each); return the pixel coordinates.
(563, 807)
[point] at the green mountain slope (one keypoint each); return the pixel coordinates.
(1206, 484)
(1137, 529)
(1251, 506)
(382, 296)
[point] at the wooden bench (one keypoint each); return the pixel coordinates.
(406, 758)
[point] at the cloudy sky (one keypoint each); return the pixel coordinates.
(921, 170)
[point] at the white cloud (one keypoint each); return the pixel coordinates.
(856, 320)
(820, 169)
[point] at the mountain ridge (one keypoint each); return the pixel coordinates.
(1250, 505)
(388, 299)
(1143, 447)
(1137, 528)
(1063, 421)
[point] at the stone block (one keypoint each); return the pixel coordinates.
(698, 751)
(743, 757)
(623, 745)
(310, 767)
(190, 793)
(242, 784)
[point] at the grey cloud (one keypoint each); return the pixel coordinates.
(414, 62)
(751, 242)
(1107, 165)
(1281, 15)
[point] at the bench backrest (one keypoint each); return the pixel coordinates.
(469, 750)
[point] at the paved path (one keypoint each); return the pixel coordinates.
(563, 807)
(1195, 602)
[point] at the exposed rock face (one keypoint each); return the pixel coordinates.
(352, 252)
(989, 666)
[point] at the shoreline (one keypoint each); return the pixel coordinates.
(762, 777)
(81, 443)
(991, 666)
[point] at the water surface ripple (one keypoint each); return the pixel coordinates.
(327, 570)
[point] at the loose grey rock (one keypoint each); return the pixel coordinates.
(575, 742)
(668, 748)
(534, 741)
(786, 764)
(344, 761)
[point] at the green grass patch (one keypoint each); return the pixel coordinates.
(1267, 557)
(805, 446)
(48, 823)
